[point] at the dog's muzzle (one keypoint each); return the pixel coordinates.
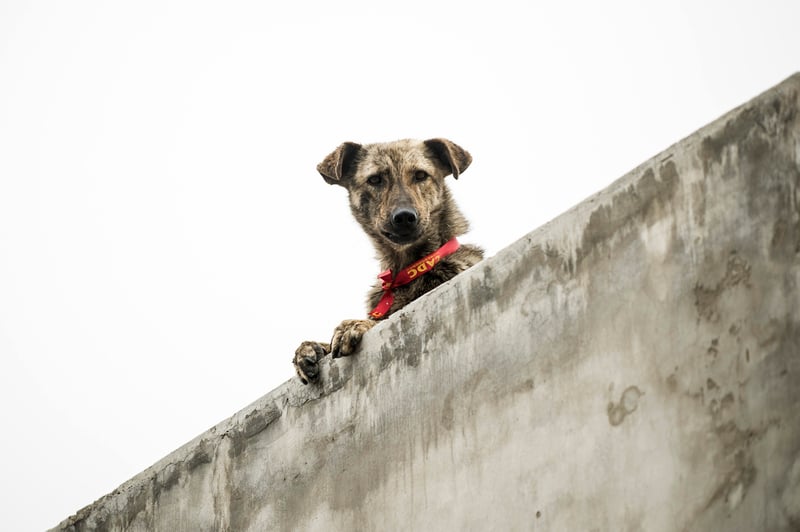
(403, 225)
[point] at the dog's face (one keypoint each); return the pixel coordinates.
(395, 188)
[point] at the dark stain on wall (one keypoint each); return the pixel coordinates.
(641, 203)
(737, 271)
(628, 402)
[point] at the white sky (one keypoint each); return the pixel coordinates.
(165, 240)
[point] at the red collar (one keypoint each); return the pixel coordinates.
(408, 274)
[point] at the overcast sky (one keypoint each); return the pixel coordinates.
(165, 240)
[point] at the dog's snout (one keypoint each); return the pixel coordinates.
(405, 220)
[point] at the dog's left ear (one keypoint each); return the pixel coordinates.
(451, 154)
(336, 165)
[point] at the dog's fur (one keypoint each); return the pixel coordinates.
(398, 195)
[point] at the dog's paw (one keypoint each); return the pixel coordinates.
(306, 360)
(347, 336)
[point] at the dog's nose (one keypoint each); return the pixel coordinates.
(404, 220)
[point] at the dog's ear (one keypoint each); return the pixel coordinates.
(451, 154)
(336, 165)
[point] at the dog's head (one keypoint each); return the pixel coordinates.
(396, 188)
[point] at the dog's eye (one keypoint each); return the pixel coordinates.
(375, 180)
(420, 175)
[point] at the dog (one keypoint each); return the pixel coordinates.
(397, 193)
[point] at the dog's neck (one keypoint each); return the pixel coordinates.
(399, 259)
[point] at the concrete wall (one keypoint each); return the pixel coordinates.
(632, 365)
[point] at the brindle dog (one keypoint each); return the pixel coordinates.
(398, 194)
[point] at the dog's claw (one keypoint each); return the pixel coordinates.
(307, 370)
(347, 336)
(306, 360)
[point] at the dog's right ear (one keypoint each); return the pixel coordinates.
(336, 165)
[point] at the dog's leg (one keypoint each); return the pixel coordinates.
(347, 336)
(306, 360)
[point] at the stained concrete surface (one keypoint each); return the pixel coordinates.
(632, 365)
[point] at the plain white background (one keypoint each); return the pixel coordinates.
(165, 240)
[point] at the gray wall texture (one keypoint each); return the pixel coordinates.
(632, 365)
